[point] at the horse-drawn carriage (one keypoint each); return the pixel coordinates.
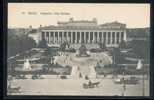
(13, 89)
(90, 85)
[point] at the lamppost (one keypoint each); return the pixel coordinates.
(143, 84)
(124, 84)
(139, 67)
(113, 64)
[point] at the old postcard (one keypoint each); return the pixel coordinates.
(77, 49)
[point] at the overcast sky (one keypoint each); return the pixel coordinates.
(133, 15)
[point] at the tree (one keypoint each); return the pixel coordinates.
(82, 50)
(43, 44)
(19, 43)
(63, 46)
(102, 45)
(118, 58)
(122, 44)
(141, 48)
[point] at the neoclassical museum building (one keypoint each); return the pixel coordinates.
(77, 32)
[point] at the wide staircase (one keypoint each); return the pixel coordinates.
(88, 46)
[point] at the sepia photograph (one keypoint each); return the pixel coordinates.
(78, 49)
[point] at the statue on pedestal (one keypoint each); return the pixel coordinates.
(83, 51)
(27, 65)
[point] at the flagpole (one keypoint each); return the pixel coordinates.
(143, 85)
(124, 85)
(139, 67)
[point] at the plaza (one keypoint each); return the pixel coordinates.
(73, 85)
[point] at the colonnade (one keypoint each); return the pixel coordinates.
(74, 37)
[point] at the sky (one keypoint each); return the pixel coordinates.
(22, 15)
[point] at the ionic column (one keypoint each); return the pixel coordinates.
(40, 36)
(45, 36)
(53, 37)
(88, 37)
(49, 37)
(125, 36)
(106, 38)
(102, 37)
(98, 39)
(71, 37)
(93, 37)
(58, 37)
(80, 37)
(84, 37)
(115, 38)
(67, 38)
(119, 37)
(111, 38)
(76, 37)
(62, 37)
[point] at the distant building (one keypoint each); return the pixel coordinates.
(18, 31)
(84, 32)
(138, 34)
(34, 34)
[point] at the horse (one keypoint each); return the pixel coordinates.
(86, 86)
(91, 85)
(96, 84)
(14, 90)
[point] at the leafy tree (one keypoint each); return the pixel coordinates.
(19, 43)
(83, 50)
(42, 44)
(141, 48)
(118, 58)
(122, 44)
(102, 45)
(63, 46)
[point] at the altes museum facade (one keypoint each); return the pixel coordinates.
(84, 32)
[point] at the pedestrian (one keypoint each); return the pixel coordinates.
(90, 83)
(80, 75)
(124, 86)
(78, 68)
(86, 77)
